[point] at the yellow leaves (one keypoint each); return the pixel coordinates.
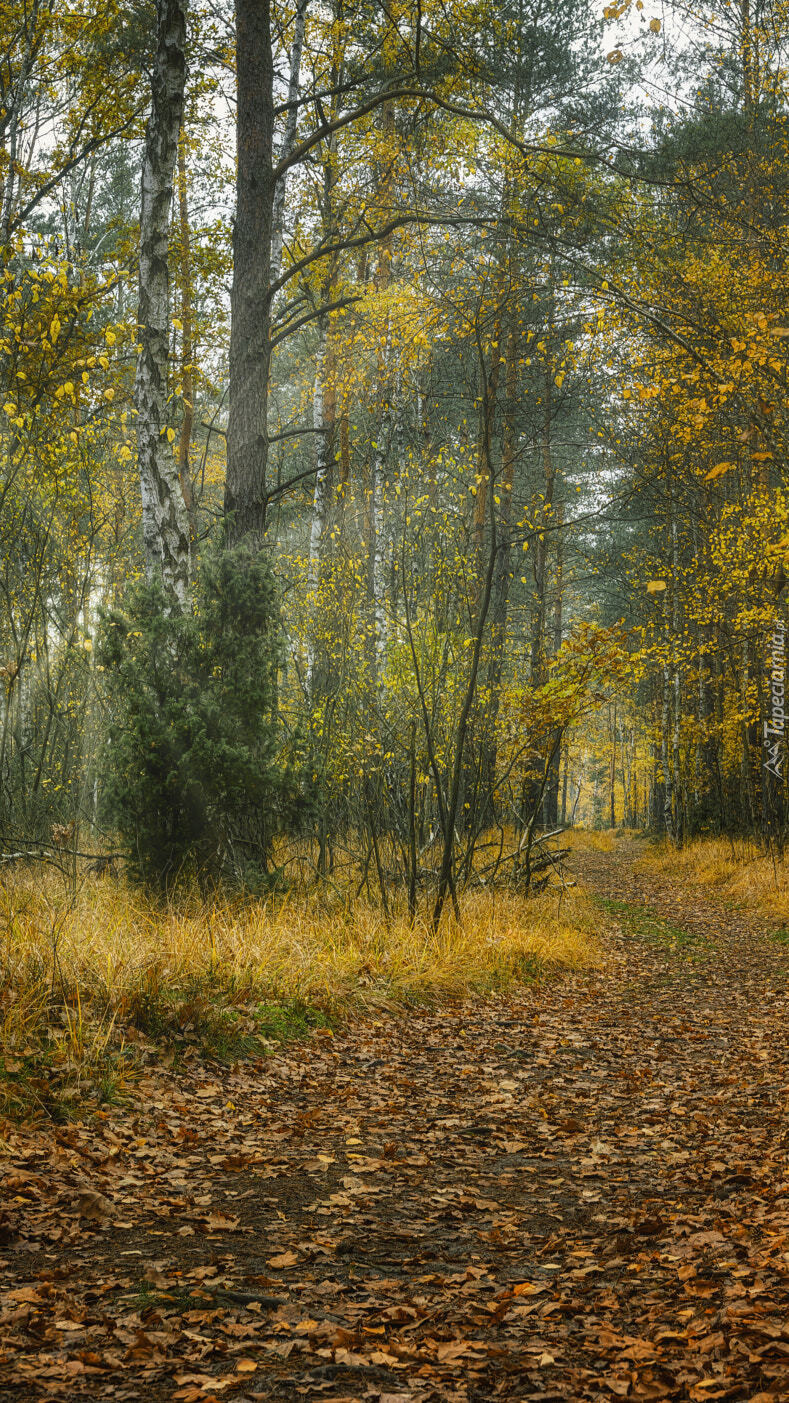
(655, 26)
(779, 549)
(109, 337)
(648, 392)
(109, 394)
(54, 328)
(171, 435)
(718, 471)
(124, 455)
(615, 56)
(656, 586)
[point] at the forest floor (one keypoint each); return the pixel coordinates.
(578, 1192)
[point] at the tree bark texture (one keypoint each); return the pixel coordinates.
(164, 524)
(250, 299)
(187, 345)
(288, 140)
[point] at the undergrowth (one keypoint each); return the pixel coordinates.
(739, 871)
(601, 840)
(95, 981)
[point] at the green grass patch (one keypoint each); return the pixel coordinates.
(289, 1021)
(781, 937)
(176, 1299)
(222, 1018)
(47, 1082)
(642, 923)
(70, 1068)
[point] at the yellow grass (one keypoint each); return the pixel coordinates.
(90, 966)
(588, 840)
(737, 870)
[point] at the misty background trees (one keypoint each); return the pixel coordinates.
(413, 484)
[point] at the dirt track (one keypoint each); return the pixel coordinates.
(578, 1194)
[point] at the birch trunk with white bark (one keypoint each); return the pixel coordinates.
(322, 420)
(11, 125)
(187, 346)
(164, 521)
(377, 541)
(288, 139)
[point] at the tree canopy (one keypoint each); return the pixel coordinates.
(469, 322)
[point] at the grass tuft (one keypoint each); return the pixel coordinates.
(597, 840)
(91, 983)
(739, 871)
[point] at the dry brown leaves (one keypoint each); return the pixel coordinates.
(581, 1194)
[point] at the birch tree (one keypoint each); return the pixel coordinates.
(164, 520)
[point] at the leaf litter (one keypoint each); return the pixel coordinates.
(579, 1193)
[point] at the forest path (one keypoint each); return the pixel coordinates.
(577, 1193)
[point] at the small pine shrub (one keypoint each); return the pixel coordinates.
(193, 781)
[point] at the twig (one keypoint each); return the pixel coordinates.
(245, 1298)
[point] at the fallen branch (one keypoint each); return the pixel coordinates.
(45, 852)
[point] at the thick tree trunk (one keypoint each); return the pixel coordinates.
(165, 531)
(250, 301)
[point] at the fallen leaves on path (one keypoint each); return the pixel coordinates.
(581, 1193)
